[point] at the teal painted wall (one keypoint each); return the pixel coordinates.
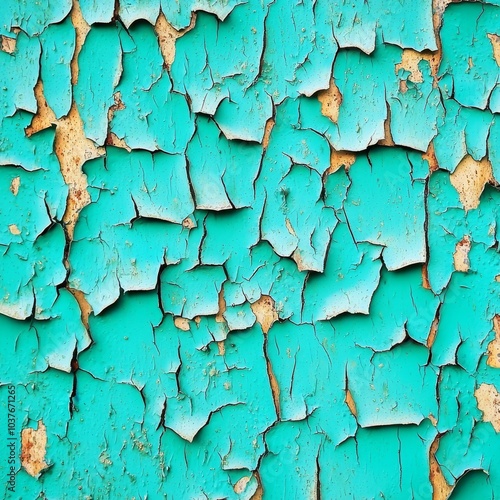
(249, 249)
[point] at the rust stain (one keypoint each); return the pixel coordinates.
(188, 223)
(85, 308)
(330, 100)
(425, 277)
(73, 149)
(441, 490)
(265, 312)
(259, 492)
(461, 256)
(494, 346)
(7, 44)
(241, 484)
(267, 132)
(222, 308)
(33, 445)
(14, 229)
(409, 62)
(167, 36)
(430, 156)
(470, 178)
(387, 140)
(351, 403)
(222, 349)
(495, 42)
(488, 401)
(182, 324)
(44, 117)
(14, 185)
(81, 31)
(340, 159)
(432, 333)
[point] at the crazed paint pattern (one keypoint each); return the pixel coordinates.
(250, 249)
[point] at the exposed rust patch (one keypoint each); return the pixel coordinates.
(14, 185)
(410, 59)
(33, 448)
(438, 8)
(340, 159)
(182, 324)
(259, 492)
(297, 257)
(14, 229)
(330, 100)
(461, 256)
(494, 346)
(488, 401)
(118, 105)
(81, 31)
(440, 488)
(387, 140)
(470, 178)
(265, 312)
(73, 149)
(188, 223)
(7, 44)
(44, 117)
(85, 308)
(167, 36)
(113, 140)
(221, 347)
(432, 333)
(409, 62)
(222, 308)
(425, 277)
(495, 42)
(241, 485)
(267, 132)
(430, 156)
(350, 403)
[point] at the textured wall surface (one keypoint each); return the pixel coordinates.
(249, 248)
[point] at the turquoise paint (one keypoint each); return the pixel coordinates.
(19, 75)
(229, 198)
(142, 122)
(93, 93)
(468, 66)
(58, 47)
(32, 16)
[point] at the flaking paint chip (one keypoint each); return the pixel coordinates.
(33, 449)
(488, 401)
(265, 312)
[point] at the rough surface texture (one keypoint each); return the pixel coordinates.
(250, 249)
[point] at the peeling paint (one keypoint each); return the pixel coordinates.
(246, 245)
(33, 449)
(488, 401)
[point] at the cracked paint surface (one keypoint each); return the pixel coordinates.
(250, 249)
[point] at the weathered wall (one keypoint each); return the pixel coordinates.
(249, 249)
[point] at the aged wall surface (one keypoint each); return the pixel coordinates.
(249, 249)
